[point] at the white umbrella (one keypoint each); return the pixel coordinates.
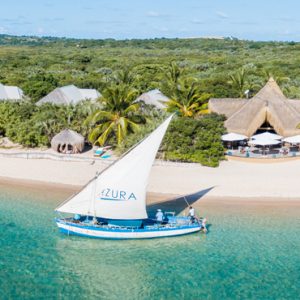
(293, 139)
(267, 136)
(231, 137)
(264, 142)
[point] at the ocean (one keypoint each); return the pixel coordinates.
(251, 252)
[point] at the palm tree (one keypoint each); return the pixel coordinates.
(124, 76)
(267, 74)
(174, 73)
(171, 78)
(118, 117)
(239, 81)
(187, 100)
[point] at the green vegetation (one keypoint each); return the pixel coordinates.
(38, 65)
(119, 115)
(186, 100)
(189, 71)
(199, 140)
(34, 126)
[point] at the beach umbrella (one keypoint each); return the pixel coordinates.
(264, 142)
(293, 139)
(231, 137)
(267, 136)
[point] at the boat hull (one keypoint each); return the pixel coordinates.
(125, 233)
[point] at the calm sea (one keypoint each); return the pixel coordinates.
(249, 253)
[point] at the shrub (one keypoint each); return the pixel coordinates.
(195, 140)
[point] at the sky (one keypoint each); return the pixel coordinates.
(127, 19)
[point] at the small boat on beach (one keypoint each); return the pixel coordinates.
(113, 204)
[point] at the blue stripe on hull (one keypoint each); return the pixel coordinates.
(118, 233)
(127, 230)
(68, 232)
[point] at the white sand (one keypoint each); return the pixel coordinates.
(231, 179)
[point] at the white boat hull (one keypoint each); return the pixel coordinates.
(125, 233)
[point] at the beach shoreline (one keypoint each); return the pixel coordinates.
(153, 198)
(233, 179)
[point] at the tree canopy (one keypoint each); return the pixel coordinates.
(188, 71)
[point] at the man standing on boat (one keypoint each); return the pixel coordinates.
(159, 216)
(192, 214)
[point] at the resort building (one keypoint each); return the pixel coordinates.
(69, 94)
(155, 98)
(10, 93)
(268, 110)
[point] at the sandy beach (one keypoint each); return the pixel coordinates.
(233, 179)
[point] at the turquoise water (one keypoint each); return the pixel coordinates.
(250, 253)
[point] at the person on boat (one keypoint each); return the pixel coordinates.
(159, 216)
(76, 218)
(95, 221)
(192, 214)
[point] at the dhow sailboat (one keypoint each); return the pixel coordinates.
(113, 204)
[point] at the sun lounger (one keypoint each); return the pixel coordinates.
(99, 152)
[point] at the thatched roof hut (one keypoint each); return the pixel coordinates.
(69, 94)
(10, 93)
(155, 98)
(68, 141)
(245, 116)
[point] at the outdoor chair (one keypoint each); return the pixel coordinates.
(99, 152)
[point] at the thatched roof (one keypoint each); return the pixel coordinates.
(68, 140)
(269, 104)
(69, 94)
(155, 98)
(12, 93)
(295, 103)
(226, 106)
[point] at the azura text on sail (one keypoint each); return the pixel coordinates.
(116, 195)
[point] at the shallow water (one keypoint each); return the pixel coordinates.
(250, 253)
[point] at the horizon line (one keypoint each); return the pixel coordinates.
(212, 37)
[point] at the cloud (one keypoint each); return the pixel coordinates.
(197, 21)
(57, 19)
(20, 20)
(153, 14)
(161, 29)
(156, 14)
(159, 16)
(40, 30)
(286, 19)
(19, 23)
(164, 29)
(3, 30)
(103, 22)
(244, 23)
(48, 4)
(222, 14)
(286, 32)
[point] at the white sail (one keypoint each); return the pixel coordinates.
(119, 192)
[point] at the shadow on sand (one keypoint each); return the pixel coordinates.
(177, 204)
